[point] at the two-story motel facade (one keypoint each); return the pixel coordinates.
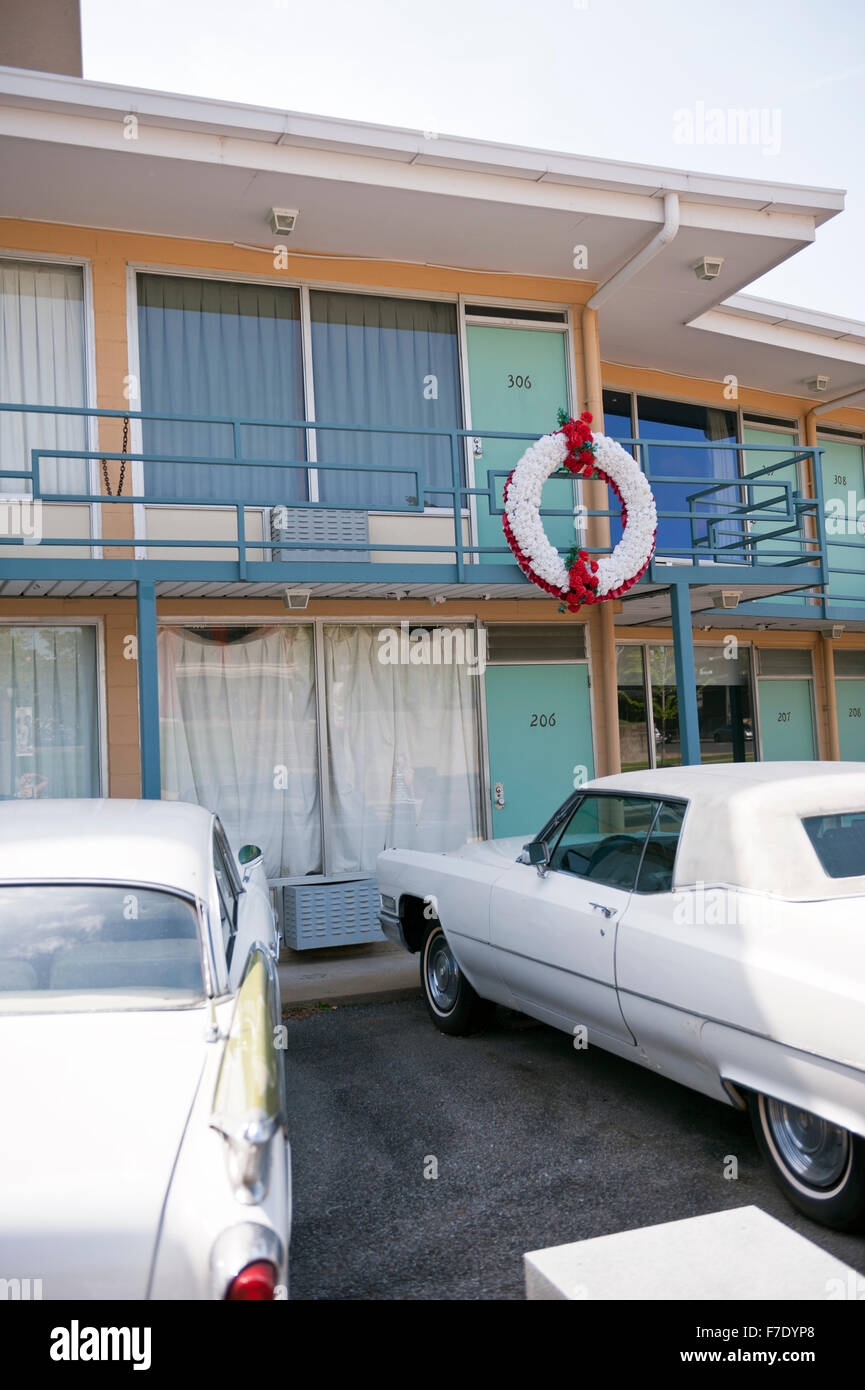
(252, 549)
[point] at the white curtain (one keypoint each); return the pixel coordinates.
(238, 731)
(403, 752)
(48, 712)
(42, 362)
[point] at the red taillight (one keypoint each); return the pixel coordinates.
(256, 1281)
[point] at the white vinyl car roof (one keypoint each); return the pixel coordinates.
(166, 843)
(744, 822)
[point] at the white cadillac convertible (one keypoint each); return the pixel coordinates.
(706, 922)
(143, 1151)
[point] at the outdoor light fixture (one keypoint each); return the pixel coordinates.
(818, 383)
(296, 598)
(728, 598)
(709, 268)
(837, 629)
(282, 220)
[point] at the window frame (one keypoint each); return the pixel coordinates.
(101, 693)
(221, 848)
(563, 815)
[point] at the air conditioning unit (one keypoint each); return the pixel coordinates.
(328, 527)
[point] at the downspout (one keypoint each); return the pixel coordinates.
(661, 239)
(595, 493)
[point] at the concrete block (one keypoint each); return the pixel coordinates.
(739, 1254)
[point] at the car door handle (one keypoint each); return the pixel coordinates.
(607, 911)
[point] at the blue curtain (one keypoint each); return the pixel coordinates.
(379, 361)
(220, 348)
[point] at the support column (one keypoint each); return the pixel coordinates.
(833, 749)
(686, 685)
(148, 692)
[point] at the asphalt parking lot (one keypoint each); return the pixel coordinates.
(534, 1143)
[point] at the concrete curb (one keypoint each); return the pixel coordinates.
(375, 974)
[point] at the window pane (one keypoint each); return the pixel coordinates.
(391, 362)
(402, 749)
(665, 707)
(42, 362)
(238, 729)
(604, 839)
(49, 741)
(683, 422)
(79, 948)
(839, 842)
(633, 725)
(216, 348)
(656, 870)
(724, 703)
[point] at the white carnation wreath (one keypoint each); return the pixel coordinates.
(580, 580)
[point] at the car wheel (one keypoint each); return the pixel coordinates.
(819, 1167)
(452, 1004)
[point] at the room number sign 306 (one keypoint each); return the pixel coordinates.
(523, 382)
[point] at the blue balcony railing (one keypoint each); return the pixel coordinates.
(756, 527)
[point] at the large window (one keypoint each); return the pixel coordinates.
(219, 348)
(402, 748)
(42, 362)
(238, 731)
(724, 704)
(248, 732)
(678, 423)
(49, 744)
(382, 361)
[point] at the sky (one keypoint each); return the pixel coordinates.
(639, 80)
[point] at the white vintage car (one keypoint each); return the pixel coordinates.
(143, 1151)
(706, 922)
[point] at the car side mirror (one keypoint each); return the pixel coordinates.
(539, 855)
(248, 857)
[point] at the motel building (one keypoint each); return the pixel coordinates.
(262, 379)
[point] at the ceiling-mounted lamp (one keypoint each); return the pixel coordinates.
(818, 384)
(296, 598)
(282, 220)
(708, 267)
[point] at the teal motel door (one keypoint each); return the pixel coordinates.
(844, 507)
(518, 381)
(786, 719)
(850, 703)
(539, 733)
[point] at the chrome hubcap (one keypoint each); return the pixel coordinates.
(814, 1150)
(443, 975)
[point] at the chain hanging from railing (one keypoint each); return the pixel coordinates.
(124, 450)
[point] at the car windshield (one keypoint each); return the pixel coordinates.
(840, 842)
(83, 947)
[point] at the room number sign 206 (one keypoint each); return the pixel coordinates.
(542, 721)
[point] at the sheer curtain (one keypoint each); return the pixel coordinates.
(403, 752)
(238, 730)
(219, 348)
(49, 733)
(380, 361)
(42, 362)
